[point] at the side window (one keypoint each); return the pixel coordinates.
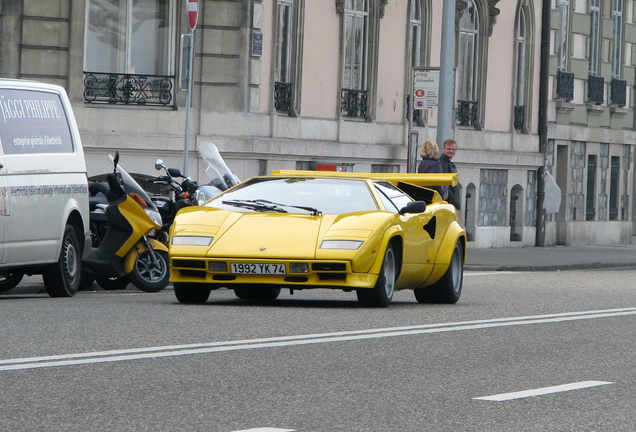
(129, 51)
(33, 122)
(395, 196)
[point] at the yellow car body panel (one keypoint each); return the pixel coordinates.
(265, 240)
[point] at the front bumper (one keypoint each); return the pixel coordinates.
(320, 274)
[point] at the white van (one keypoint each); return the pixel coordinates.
(44, 215)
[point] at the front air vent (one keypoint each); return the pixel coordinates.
(296, 279)
(329, 267)
(220, 277)
(188, 264)
(193, 273)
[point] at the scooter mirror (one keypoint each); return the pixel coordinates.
(115, 161)
(158, 164)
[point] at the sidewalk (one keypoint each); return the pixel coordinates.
(551, 258)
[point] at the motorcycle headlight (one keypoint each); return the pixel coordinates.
(155, 216)
(199, 197)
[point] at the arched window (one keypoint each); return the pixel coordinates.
(468, 76)
(523, 67)
(595, 82)
(415, 27)
(288, 52)
(360, 34)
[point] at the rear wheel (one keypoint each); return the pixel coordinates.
(148, 275)
(62, 278)
(250, 293)
(113, 283)
(10, 280)
(191, 293)
(449, 287)
(382, 293)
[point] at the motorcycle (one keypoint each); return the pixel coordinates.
(122, 217)
(183, 195)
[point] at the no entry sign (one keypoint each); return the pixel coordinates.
(193, 13)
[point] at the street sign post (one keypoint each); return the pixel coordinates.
(193, 16)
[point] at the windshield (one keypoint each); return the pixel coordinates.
(131, 186)
(297, 195)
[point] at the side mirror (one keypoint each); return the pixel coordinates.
(158, 164)
(414, 207)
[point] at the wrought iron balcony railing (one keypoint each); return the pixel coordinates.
(565, 85)
(595, 89)
(619, 91)
(520, 118)
(283, 96)
(467, 113)
(128, 89)
(354, 103)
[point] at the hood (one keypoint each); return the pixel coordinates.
(268, 236)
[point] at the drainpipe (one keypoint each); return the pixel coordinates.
(544, 76)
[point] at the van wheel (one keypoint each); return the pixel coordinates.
(10, 280)
(62, 278)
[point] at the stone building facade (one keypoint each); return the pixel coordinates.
(324, 84)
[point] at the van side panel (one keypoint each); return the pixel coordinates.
(44, 172)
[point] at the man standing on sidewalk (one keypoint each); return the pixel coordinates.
(450, 147)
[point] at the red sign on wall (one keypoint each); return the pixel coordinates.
(193, 13)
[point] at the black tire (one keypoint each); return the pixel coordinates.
(114, 283)
(382, 293)
(62, 278)
(449, 288)
(148, 276)
(10, 280)
(262, 293)
(86, 282)
(191, 293)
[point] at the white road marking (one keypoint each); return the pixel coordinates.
(543, 391)
(285, 341)
(266, 430)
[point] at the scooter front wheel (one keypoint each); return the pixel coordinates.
(151, 276)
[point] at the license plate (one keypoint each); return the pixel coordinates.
(246, 268)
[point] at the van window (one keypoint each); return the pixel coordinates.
(33, 122)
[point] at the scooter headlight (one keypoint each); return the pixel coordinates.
(199, 197)
(155, 216)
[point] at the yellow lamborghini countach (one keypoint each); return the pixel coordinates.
(368, 233)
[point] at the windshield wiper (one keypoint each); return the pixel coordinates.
(256, 205)
(313, 211)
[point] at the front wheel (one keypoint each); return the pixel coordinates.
(62, 278)
(148, 275)
(10, 280)
(449, 287)
(191, 293)
(382, 293)
(263, 293)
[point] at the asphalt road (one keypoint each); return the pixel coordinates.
(316, 361)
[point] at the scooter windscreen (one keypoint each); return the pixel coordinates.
(131, 186)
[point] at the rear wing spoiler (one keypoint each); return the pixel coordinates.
(428, 179)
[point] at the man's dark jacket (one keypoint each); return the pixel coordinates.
(453, 191)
